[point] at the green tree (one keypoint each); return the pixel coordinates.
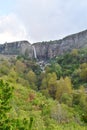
(5, 107)
(54, 67)
(52, 84)
(83, 72)
(4, 68)
(31, 77)
(64, 86)
(20, 67)
(74, 52)
(49, 84)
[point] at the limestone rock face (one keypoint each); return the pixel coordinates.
(16, 48)
(77, 41)
(45, 50)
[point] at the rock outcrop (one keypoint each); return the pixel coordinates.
(17, 48)
(45, 50)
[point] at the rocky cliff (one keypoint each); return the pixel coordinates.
(17, 48)
(45, 50)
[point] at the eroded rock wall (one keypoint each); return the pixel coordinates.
(45, 50)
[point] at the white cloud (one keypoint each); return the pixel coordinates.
(52, 19)
(11, 29)
(39, 20)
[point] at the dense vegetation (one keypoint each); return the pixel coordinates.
(53, 99)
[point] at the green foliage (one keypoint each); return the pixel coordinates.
(54, 67)
(5, 107)
(64, 86)
(83, 71)
(53, 99)
(74, 65)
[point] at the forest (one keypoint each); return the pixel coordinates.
(51, 99)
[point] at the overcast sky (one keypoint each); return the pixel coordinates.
(41, 20)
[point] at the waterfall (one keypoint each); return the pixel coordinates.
(35, 54)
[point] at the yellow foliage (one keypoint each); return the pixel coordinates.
(74, 52)
(64, 86)
(83, 72)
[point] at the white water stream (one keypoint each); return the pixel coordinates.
(35, 54)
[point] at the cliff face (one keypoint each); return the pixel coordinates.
(17, 48)
(45, 50)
